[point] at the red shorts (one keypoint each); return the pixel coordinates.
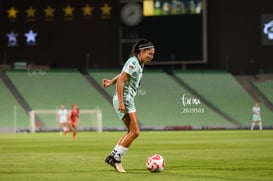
(71, 122)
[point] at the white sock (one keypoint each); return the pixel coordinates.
(260, 125)
(120, 153)
(115, 150)
(252, 126)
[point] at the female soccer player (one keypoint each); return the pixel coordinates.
(256, 116)
(74, 114)
(62, 117)
(127, 83)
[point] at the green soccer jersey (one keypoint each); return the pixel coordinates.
(134, 69)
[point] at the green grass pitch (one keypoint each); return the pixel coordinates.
(189, 155)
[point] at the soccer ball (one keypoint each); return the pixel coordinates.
(155, 163)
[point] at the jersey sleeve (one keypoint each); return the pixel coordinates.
(130, 67)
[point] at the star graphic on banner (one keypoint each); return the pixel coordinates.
(30, 37)
(106, 10)
(68, 10)
(12, 39)
(49, 11)
(87, 10)
(30, 12)
(12, 12)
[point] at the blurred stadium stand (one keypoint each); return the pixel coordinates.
(164, 101)
(54, 88)
(223, 91)
(8, 105)
(266, 89)
(159, 103)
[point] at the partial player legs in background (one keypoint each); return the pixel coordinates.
(260, 125)
(63, 129)
(72, 127)
(74, 135)
(254, 123)
(75, 127)
(252, 126)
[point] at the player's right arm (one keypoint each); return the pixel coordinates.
(119, 88)
(107, 82)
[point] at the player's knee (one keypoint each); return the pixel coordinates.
(135, 133)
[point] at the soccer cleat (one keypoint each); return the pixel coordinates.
(114, 163)
(74, 135)
(119, 168)
(110, 160)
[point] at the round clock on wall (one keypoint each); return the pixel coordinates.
(131, 14)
